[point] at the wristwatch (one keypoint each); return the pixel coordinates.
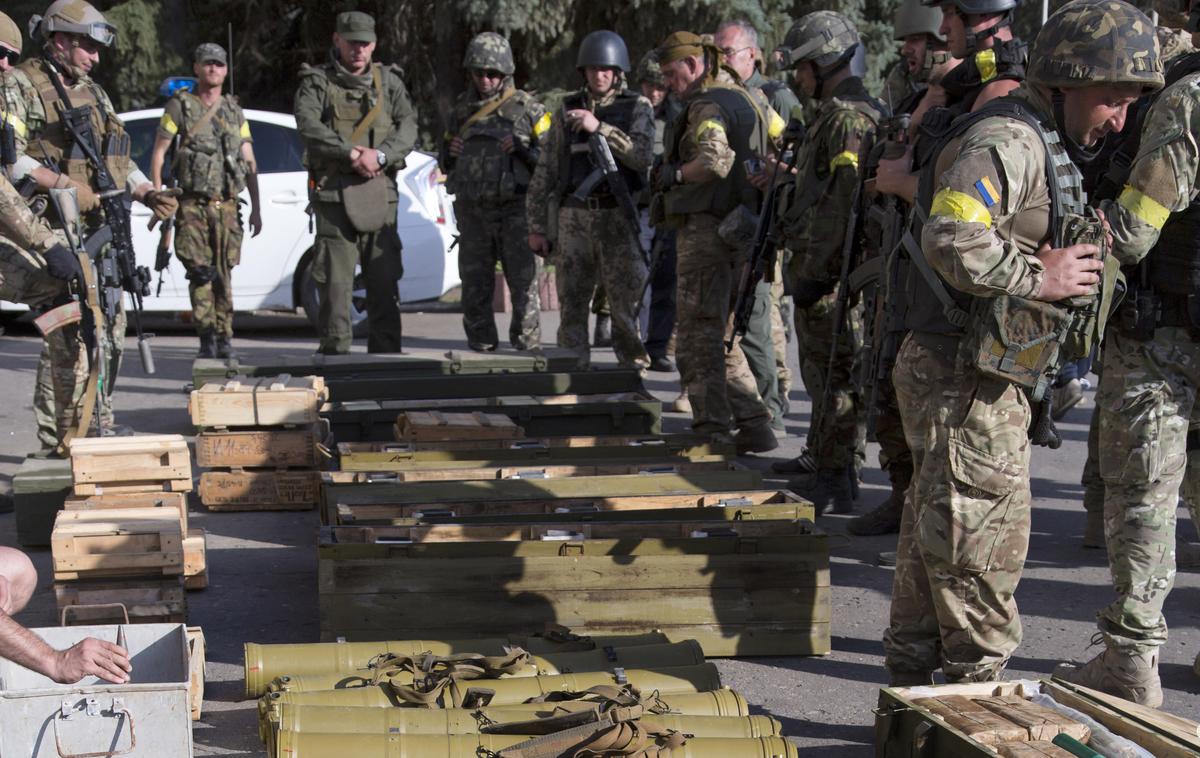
(679, 175)
(382, 158)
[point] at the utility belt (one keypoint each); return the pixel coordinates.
(594, 202)
(199, 199)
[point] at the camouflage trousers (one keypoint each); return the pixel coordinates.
(781, 317)
(597, 246)
(895, 458)
(62, 378)
(840, 427)
(1146, 403)
(208, 241)
(719, 383)
(23, 277)
(965, 530)
(488, 235)
(758, 346)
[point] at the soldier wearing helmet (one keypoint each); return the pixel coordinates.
(489, 153)
(596, 243)
(73, 36)
(1155, 221)
(979, 32)
(818, 50)
(1008, 235)
(917, 27)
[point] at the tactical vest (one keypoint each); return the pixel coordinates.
(54, 146)
(483, 171)
(209, 162)
(746, 130)
(344, 110)
(575, 163)
(1004, 60)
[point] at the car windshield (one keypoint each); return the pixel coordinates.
(277, 148)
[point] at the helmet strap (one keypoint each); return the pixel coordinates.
(1080, 155)
(973, 38)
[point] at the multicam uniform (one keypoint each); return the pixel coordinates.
(330, 105)
(595, 239)
(23, 237)
(209, 167)
(489, 188)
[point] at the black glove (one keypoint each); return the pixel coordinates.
(664, 176)
(807, 292)
(1042, 431)
(61, 263)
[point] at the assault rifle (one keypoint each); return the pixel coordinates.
(606, 171)
(116, 265)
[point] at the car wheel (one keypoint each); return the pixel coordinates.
(310, 301)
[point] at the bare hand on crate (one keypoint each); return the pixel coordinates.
(91, 657)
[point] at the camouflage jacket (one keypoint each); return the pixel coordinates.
(1163, 178)
(484, 172)
(816, 207)
(991, 207)
(207, 161)
(780, 96)
(634, 150)
(898, 85)
(19, 225)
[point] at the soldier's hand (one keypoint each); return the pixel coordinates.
(1069, 271)
(455, 147)
(85, 197)
(164, 203)
(255, 222)
(91, 657)
(582, 120)
(61, 263)
(367, 162)
(539, 244)
(893, 176)
(508, 144)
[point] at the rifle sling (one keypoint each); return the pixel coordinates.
(486, 110)
(954, 314)
(196, 127)
(360, 130)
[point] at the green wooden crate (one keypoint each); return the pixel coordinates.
(40, 487)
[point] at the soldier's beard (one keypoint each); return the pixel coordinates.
(62, 59)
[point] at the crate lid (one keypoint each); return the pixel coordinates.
(42, 475)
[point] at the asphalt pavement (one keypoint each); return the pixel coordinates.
(262, 566)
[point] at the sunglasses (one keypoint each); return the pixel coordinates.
(11, 55)
(488, 73)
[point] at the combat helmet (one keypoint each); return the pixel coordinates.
(826, 38)
(917, 17)
(1089, 42)
(489, 51)
(649, 70)
(981, 8)
(604, 49)
(10, 33)
(73, 17)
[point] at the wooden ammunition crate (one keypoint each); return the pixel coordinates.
(267, 448)
(260, 490)
(172, 501)
(130, 542)
(918, 722)
(536, 446)
(739, 588)
(140, 460)
(417, 387)
(105, 601)
(435, 426)
(245, 402)
(197, 657)
(195, 559)
(437, 473)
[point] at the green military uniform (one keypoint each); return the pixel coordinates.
(898, 86)
(489, 187)
(209, 167)
(356, 217)
(964, 539)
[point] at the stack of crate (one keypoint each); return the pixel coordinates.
(262, 440)
(123, 545)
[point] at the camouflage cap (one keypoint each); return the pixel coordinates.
(649, 70)
(823, 37)
(210, 51)
(73, 17)
(10, 33)
(490, 51)
(1090, 42)
(356, 26)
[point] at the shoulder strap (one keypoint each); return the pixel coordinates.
(360, 130)
(486, 110)
(201, 122)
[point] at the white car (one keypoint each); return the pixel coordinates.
(273, 273)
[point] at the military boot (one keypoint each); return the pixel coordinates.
(208, 344)
(827, 489)
(910, 678)
(755, 439)
(883, 519)
(602, 336)
(1131, 676)
(801, 464)
(225, 346)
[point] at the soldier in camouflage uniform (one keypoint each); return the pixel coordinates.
(964, 539)
(814, 212)
(489, 153)
(703, 181)
(213, 161)
(357, 124)
(595, 240)
(73, 34)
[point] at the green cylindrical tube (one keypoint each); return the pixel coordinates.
(266, 662)
(669, 655)
(316, 745)
(335, 720)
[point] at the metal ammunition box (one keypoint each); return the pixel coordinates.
(738, 587)
(40, 488)
(417, 387)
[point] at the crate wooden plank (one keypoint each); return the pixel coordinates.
(197, 657)
(268, 448)
(430, 426)
(149, 486)
(648, 442)
(172, 501)
(115, 460)
(435, 473)
(972, 719)
(246, 402)
(1041, 722)
(260, 490)
(195, 560)
(1038, 749)
(127, 542)
(146, 600)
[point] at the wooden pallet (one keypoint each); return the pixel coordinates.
(170, 500)
(107, 601)
(268, 448)
(195, 559)
(130, 542)
(260, 490)
(197, 655)
(436, 426)
(241, 402)
(130, 460)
